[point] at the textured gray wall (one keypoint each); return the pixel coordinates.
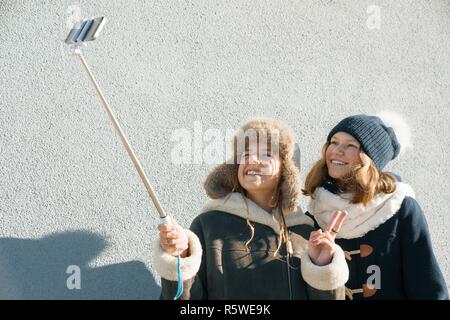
(68, 192)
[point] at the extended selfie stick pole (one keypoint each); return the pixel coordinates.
(124, 139)
(86, 31)
(76, 40)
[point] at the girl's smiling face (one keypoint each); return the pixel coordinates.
(259, 170)
(342, 155)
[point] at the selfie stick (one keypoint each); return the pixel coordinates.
(76, 46)
(124, 139)
(76, 38)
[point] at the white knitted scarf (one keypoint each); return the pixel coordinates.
(361, 219)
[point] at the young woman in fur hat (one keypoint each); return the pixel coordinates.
(385, 236)
(250, 241)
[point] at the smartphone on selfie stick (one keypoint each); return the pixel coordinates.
(86, 30)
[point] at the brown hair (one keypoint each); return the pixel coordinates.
(364, 181)
(275, 202)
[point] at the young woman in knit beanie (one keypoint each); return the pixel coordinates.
(385, 236)
(250, 242)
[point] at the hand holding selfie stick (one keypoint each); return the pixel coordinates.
(88, 30)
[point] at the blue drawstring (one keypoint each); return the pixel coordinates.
(180, 281)
(166, 220)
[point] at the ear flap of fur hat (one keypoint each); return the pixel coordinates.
(290, 187)
(223, 179)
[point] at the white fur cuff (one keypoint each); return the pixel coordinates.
(166, 265)
(329, 277)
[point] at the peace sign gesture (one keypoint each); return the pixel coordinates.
(321, 244)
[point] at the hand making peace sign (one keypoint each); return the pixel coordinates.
(321, 244)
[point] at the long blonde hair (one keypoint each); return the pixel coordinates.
(364, 181)
(275, 202)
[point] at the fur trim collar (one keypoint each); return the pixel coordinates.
(234, 204)
(361, 219)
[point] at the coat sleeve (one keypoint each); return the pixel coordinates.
(325, 282)
(422, 277)
(192, 268)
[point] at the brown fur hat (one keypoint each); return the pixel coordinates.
(223, 179)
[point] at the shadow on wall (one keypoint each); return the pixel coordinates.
(36, 269)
